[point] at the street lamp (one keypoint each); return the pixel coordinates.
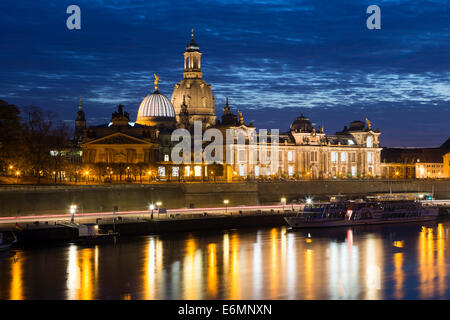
(73, 209)
(308, 200)
(158, 205)
(149, 176)
(17, 174)
(283, 201)
(226, 202)
(151, 207)
(87, 176)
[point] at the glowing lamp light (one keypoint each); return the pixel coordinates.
(308, 200)
(86, 173)
(73, 209)
(17, 173)
(11, 166)
(159, 204)
(398, 244)
(226, 201)
(152, 207)
(349, 214)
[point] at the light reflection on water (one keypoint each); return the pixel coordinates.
(388, 262)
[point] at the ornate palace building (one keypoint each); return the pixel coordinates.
(144, 146)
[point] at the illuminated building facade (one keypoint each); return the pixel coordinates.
(415, 163)
(119, 148)
(305, 151)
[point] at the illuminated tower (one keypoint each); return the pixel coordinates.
(193, 91)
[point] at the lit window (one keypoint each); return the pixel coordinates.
(162, 171)
(290, 156)
(166, 157)
(241, 155)
(334, 156)
(256, 171)
(353, 171)
(241, 171)
(187, 171)
(350, 142)
(343, 156)
(369, 157)
(369, 142)
(175, 171)
(198, 171)
(290, 171)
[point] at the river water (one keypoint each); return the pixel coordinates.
(409, 261)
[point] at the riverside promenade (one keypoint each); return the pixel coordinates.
(43, 200)
(55, 227)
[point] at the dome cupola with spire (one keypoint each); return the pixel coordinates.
(193, 91)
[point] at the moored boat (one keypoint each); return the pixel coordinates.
(90, 234)
(351, 213)
(5, 242)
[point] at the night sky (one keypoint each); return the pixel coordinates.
(273, 59)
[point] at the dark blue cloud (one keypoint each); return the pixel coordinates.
(273, 59)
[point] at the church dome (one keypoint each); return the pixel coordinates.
(301, 124)
(155, 109)
(193, 92)
(197, 95)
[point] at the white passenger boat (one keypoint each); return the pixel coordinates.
(351, 213)
(5, 242)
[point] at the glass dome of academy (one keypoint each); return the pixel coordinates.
(305, 152)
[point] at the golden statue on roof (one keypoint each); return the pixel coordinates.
(369, 125)
(156, 81)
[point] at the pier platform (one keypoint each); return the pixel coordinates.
(56, 228)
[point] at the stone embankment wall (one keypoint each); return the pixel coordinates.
(269, 192)
(30, 200)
